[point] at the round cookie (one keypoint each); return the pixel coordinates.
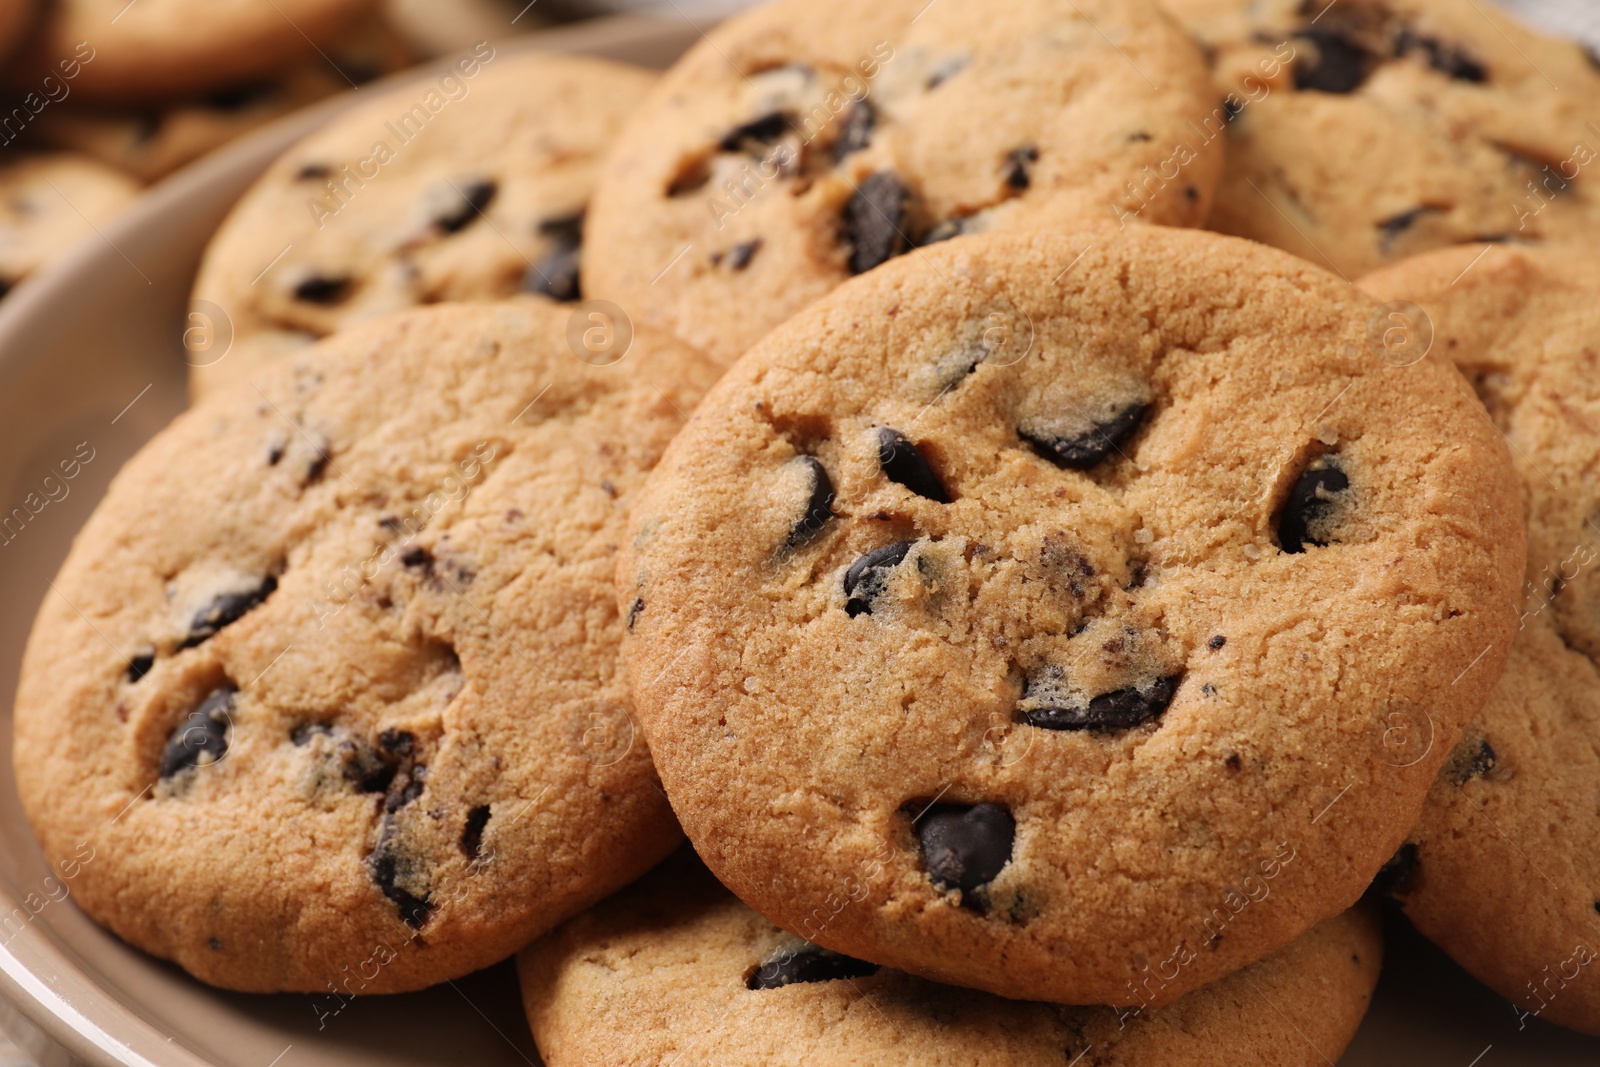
(469, 187)
(804, 142)
(1364, 131)
(326, 697)
(152, 142)
(116, 51)
(48, 203)
(1035, 615)
(1503, 870)
(676, 969)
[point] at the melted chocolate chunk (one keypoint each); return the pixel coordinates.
(1394, 877)
(819, 507)
(225, 610)
(1471, 761)
(864, 581)
(1450, 61)
(465, 205)
(873, 221)
(472, 831)
(320, 289)
(902, 463)
(141, 664)
(808, 963)
(1310, 503)
(1018, 168)
(1119, 710)
(556, 273)
(1216, 642)
(855, 133)
(757, 134)
(239, 97)
(202, 738)
(1338, 65)
(966, 848)
(384, 867)
(1087, 449)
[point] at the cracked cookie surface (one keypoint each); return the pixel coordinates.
(471, 190)
(803, 143)
(675, 968)
(334, 666)
(1470, 127)
(1503, 870)
(1126, 707)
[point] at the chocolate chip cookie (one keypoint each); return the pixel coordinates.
(803, 143)
(1364, 131)
(1503, 871)
(675, 969)
(1030, 614)
(472, 185)
(329, 686)
(48, 203)
(151, 50)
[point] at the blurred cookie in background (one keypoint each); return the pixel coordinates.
(438, 27)
(152, 142)
(468, 186)
(154, 50)
(48, 203)
(1363, 132)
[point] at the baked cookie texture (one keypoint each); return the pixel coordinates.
(803, 143)
(471, 186)
(49, 201)
(1365, 131)
(1058, 615)
(676, 969)
(328, 688)
(154, 50)
(1502, 871)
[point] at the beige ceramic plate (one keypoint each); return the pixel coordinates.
(90, 354)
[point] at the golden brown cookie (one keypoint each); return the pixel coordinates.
(329, 686)
(1035, 614)
(676, 970)
(805, 142)
(48, 203)
(1503, 871)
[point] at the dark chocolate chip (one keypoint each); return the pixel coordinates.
(398, 742)
(966, 848)
(365, 768)
(873, 221)
(1232, 108)
(740, 255)
(417, 558)
(1339, 65)
(556, 274)
(309, 172)
(944, 231)
(1216, 642)
(1088, 449)
(319, 289)
(947, 70)
(384, 867)
(1450, 61)
(240, 96)
(1391, 228)
(902, 463)
(317, 467)
(201, 738)
(1233, 762)
(407, 786)
(214, 945)
(301, 735)
(1310, 503)
(6, 285)
(465, 204)
(634, 611)
(819, 507)
(1471, 761)
(275, 454)
(225, 610)
(1394, 877)
(864, 581)
(1141, 137)
(807, 963)
(855, 133)
(1119, 710)
(1018, 169)
(757, 134)
(141, 665)
(472, 832)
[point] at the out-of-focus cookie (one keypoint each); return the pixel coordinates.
(676, 969)
(329, 683)
(14, 18)
(1364, 131)
(805, 142)
(151, 50)
(1032, 614)
(1503, 871)
(468, 186)
(51, 201)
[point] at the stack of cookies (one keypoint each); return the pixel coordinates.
(1045, 619)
